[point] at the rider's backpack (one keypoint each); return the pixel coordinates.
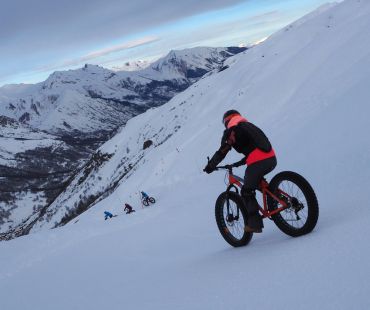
(257, 136)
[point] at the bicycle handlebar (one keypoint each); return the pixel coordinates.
(227, 167)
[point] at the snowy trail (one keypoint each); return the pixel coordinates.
(173, 257)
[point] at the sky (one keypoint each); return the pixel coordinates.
(38, 37)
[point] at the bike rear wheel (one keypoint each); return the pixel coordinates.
(231, 221)
(151, 199)
(303, 212)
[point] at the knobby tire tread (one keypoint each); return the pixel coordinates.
(221, 200)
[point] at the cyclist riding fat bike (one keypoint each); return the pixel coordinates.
(260, 159)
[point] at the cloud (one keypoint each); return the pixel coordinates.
(34, 33)
(98, 53)
(265, 16)
(44, 25)
(120, 47)
(37, 32)
(232, 31)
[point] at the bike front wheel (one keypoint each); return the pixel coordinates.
(231, 218)
(301, 216)
(145, 202)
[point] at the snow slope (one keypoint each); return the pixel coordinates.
(307, 87)
(80, 109)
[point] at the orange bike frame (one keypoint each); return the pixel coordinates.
(235, 180)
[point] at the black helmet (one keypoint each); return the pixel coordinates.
(225, 119)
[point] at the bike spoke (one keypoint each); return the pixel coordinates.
(235, 227)
(289, 215)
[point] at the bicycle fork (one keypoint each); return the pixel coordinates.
(230, 216)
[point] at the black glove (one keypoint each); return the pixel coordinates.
(239, 163)
(213, 162)
(209, 168)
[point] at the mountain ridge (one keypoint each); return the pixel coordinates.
(102, 93)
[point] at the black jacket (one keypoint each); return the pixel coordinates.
(245, 137)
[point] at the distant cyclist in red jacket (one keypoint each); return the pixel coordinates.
(128, 208)
(260, 159)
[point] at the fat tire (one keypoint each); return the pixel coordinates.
(152, 200)
(145, 202)
(221, 222)
(311, 199)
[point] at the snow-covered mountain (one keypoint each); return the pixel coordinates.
(133, 65)
(307, 87)
(94, 99)
(54, 126)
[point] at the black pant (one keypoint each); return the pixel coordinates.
(253, 176)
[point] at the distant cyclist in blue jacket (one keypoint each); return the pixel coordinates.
(146, 199)
(107, 215)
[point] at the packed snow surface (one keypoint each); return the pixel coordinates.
(307, 87)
